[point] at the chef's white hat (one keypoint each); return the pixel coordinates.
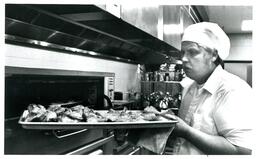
(210, 35)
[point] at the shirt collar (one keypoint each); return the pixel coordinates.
(211, 85)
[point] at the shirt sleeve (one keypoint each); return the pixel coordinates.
(234, 117)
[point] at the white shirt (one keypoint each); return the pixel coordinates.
(222, 106)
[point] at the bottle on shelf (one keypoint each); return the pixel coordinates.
(166, 72)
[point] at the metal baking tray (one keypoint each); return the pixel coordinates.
(162, 122)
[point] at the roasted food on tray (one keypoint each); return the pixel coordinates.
(80, 113)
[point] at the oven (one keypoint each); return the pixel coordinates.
(24, 86)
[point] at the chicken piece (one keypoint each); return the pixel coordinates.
(60, 110)
(95, 117)
(33, 117)
(90, 116)
(53, 107)
(151, 109)
(34, 112)
(74, 114)
(57, 109)
(166, 114)
(124, 117)
(112, 115)
(78, 108)
(149, 116)
(24, 115)
(135, 116)
(48, 116)
(92, 120)
(88, 112)
(65, 119)
(36, 109)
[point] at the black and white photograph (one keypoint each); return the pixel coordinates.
(138, 78)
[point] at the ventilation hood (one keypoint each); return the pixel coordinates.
(84, 30)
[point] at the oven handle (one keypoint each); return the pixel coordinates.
(55, 133)
(91, 146)
(135, 151)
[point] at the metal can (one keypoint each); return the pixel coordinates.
(167, 77)
(156, 76)
(172, 75)
(161, 77)
(147, 76)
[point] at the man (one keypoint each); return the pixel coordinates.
(215, 115)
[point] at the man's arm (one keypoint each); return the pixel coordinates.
(209, 144)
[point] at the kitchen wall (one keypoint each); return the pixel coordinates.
(125, 74)
(241, 47)
(241, 56)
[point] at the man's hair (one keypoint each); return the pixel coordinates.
(218, 61)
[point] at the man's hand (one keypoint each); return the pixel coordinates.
(181, 128)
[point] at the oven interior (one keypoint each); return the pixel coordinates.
(22, 90)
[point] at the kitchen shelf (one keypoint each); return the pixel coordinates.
(173, 87)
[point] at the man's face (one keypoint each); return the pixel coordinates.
(197, 62)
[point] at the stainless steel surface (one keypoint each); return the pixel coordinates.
(62, 47)
(93, 29)
(155, 20)
(230, 17)
(9, 70)
(143, 17)
(92, 146)
(67, 134)
(162, 122)
(134, 152)
(96, 152)
(172, 16)
(106, 125)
